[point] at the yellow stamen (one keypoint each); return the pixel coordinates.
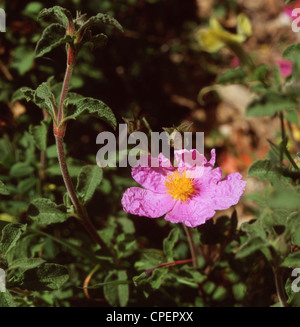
(179, 185)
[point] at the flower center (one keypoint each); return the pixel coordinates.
(179, 185)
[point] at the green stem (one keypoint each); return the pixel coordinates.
(179, 262)
(191, 245)
(283, 138)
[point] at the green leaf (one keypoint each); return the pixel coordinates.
(88, 180)
(47, 276)
(77, 250)
(6, 300)
(264, 170)
(11, 233)
(39, 134)
(27, 184)
(53, 36)
(232, 76)
(25, 263)
(41, 97)
(250, 247)
(23, 59)
(46, 212)
(292, 116)
(58, 13)
(23, 93)
(170, 242)
(261, 72)
(101, 19)
(21, 169)
(116, 294)
(98, 40)
(44, 98)
(3, 189)
(292, 260)
(269, 104)
(291, 51)
(95, 108)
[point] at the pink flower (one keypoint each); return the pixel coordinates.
(288, 10)
(186, 194)
(285, 67)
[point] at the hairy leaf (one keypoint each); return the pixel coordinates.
(95, 108)
(11, 233)
(46, 212)
(88, 180)
(269, 104)
(60, 14)
(53, 36)
(47, 276)
(101, 19)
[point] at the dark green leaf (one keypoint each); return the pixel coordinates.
(116, 294)
(293, 260)
(232, 76)
(269, 104)
(101, 19)
(60, 14)
(39, 134)
(21, 169)
(250, 247)
(46, 212)
(170, 242)
(6, 300)
(291, 51)
(264, 170)
(47, 276)
(95, 108)
(3, 189)
(53, 36)
(98, 40)
(23, 93)
(26, 263)
(11, 233)
(88, 180)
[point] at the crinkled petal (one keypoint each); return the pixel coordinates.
(191, 161)
(191, 213)
(228, 191)
(152, 178)
(212, 160)
(141, 202)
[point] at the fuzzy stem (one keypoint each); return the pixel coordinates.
(85, 220)
(191, 245)
(64, 92)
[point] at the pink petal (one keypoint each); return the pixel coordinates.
(152, 178)
(228, 191)
(285, 67)
(212, 160)
(192, 213)
(141, 202)
(190, 160)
